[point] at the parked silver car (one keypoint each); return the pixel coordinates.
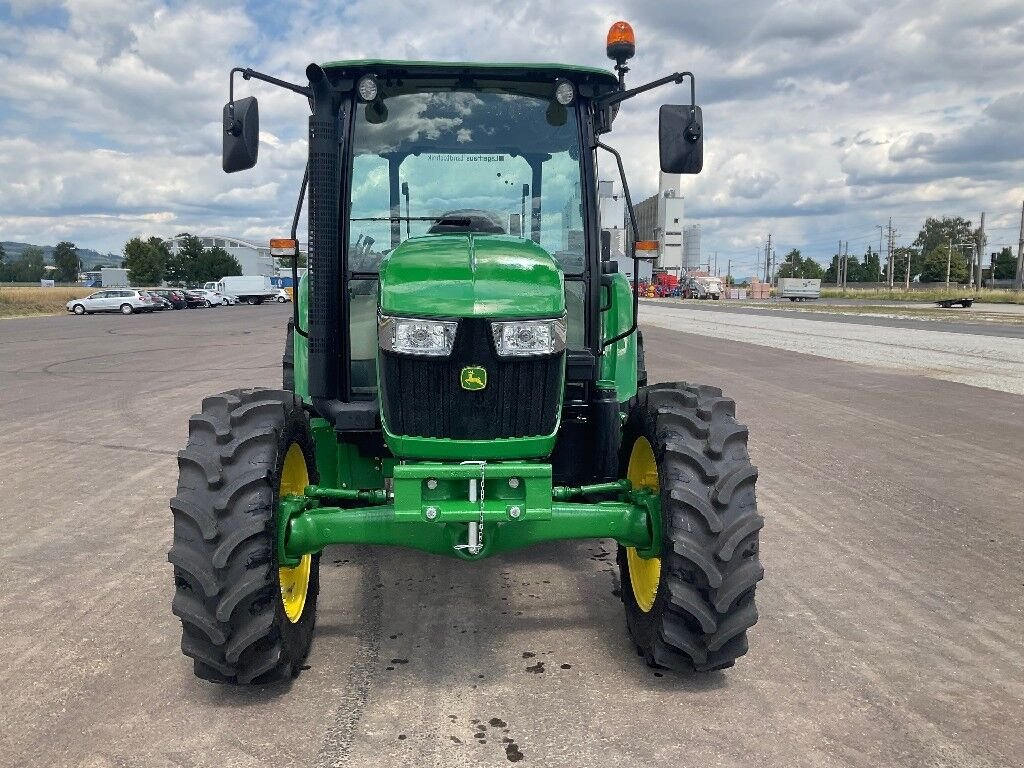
(124, 300)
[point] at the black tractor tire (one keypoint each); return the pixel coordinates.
(288, 359)
(704, 602)
(227, 585)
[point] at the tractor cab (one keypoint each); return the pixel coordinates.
(454, 224)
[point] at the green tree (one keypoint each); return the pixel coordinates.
(215, 263)
(145, 260)
(795, 265)
(1006, 265)
(181, 266)
(194, 265)
(872, 272)
(938, 232)
(934, 270)
(30, 268)
(854, 270)
(65, 258)
(831, 274)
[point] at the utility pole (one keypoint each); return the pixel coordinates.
(767, 256)
(906, 277)
(839, 264)
(1018, 283)
(846, 261)
(728, 274)
(980, 248)
(880, 227)
(890, 263)
(716, 264)
(949, 260)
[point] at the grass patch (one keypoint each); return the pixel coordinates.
(987, 295)
(20, 300)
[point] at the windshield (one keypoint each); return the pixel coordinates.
(497, 158)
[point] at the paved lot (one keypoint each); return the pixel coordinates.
(1009, 324)
(995, 361)
(892, 630)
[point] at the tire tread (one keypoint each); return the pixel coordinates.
(710, 566)
(223, 551)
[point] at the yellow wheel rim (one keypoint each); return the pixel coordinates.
(644, 573)
(294, 581)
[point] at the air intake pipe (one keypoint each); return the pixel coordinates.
(327, 310)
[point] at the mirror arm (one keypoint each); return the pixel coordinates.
(675, 77)
(636, 236)
(252, 74)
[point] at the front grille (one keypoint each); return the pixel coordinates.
(423, 396)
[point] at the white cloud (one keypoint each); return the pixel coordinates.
(822, 118)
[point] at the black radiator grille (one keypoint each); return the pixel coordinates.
(423, 396)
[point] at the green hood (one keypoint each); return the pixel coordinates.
(466, 275)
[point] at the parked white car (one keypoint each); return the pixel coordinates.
(215, 298)
(127, 301)
(282, 296)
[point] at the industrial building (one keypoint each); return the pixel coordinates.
(660, 218)
(254, 259)
(691, 247)
(612, 214)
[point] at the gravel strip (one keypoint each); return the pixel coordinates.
(981, 361)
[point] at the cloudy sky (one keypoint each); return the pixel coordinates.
(823, 118)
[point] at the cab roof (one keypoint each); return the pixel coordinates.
(512, 71)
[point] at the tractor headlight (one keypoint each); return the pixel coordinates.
(521, 338)
(414, 336)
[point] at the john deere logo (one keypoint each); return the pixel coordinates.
(473, 378)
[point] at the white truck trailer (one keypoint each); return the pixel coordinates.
(252, 289)
(799, 288)
(113, 277)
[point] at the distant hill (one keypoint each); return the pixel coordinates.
(88, 255)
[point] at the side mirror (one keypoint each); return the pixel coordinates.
(241, 135)
(681, 138)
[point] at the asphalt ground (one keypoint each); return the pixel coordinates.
(891, 629)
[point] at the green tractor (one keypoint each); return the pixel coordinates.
(463, 372)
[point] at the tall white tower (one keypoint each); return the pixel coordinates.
(670, 223)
